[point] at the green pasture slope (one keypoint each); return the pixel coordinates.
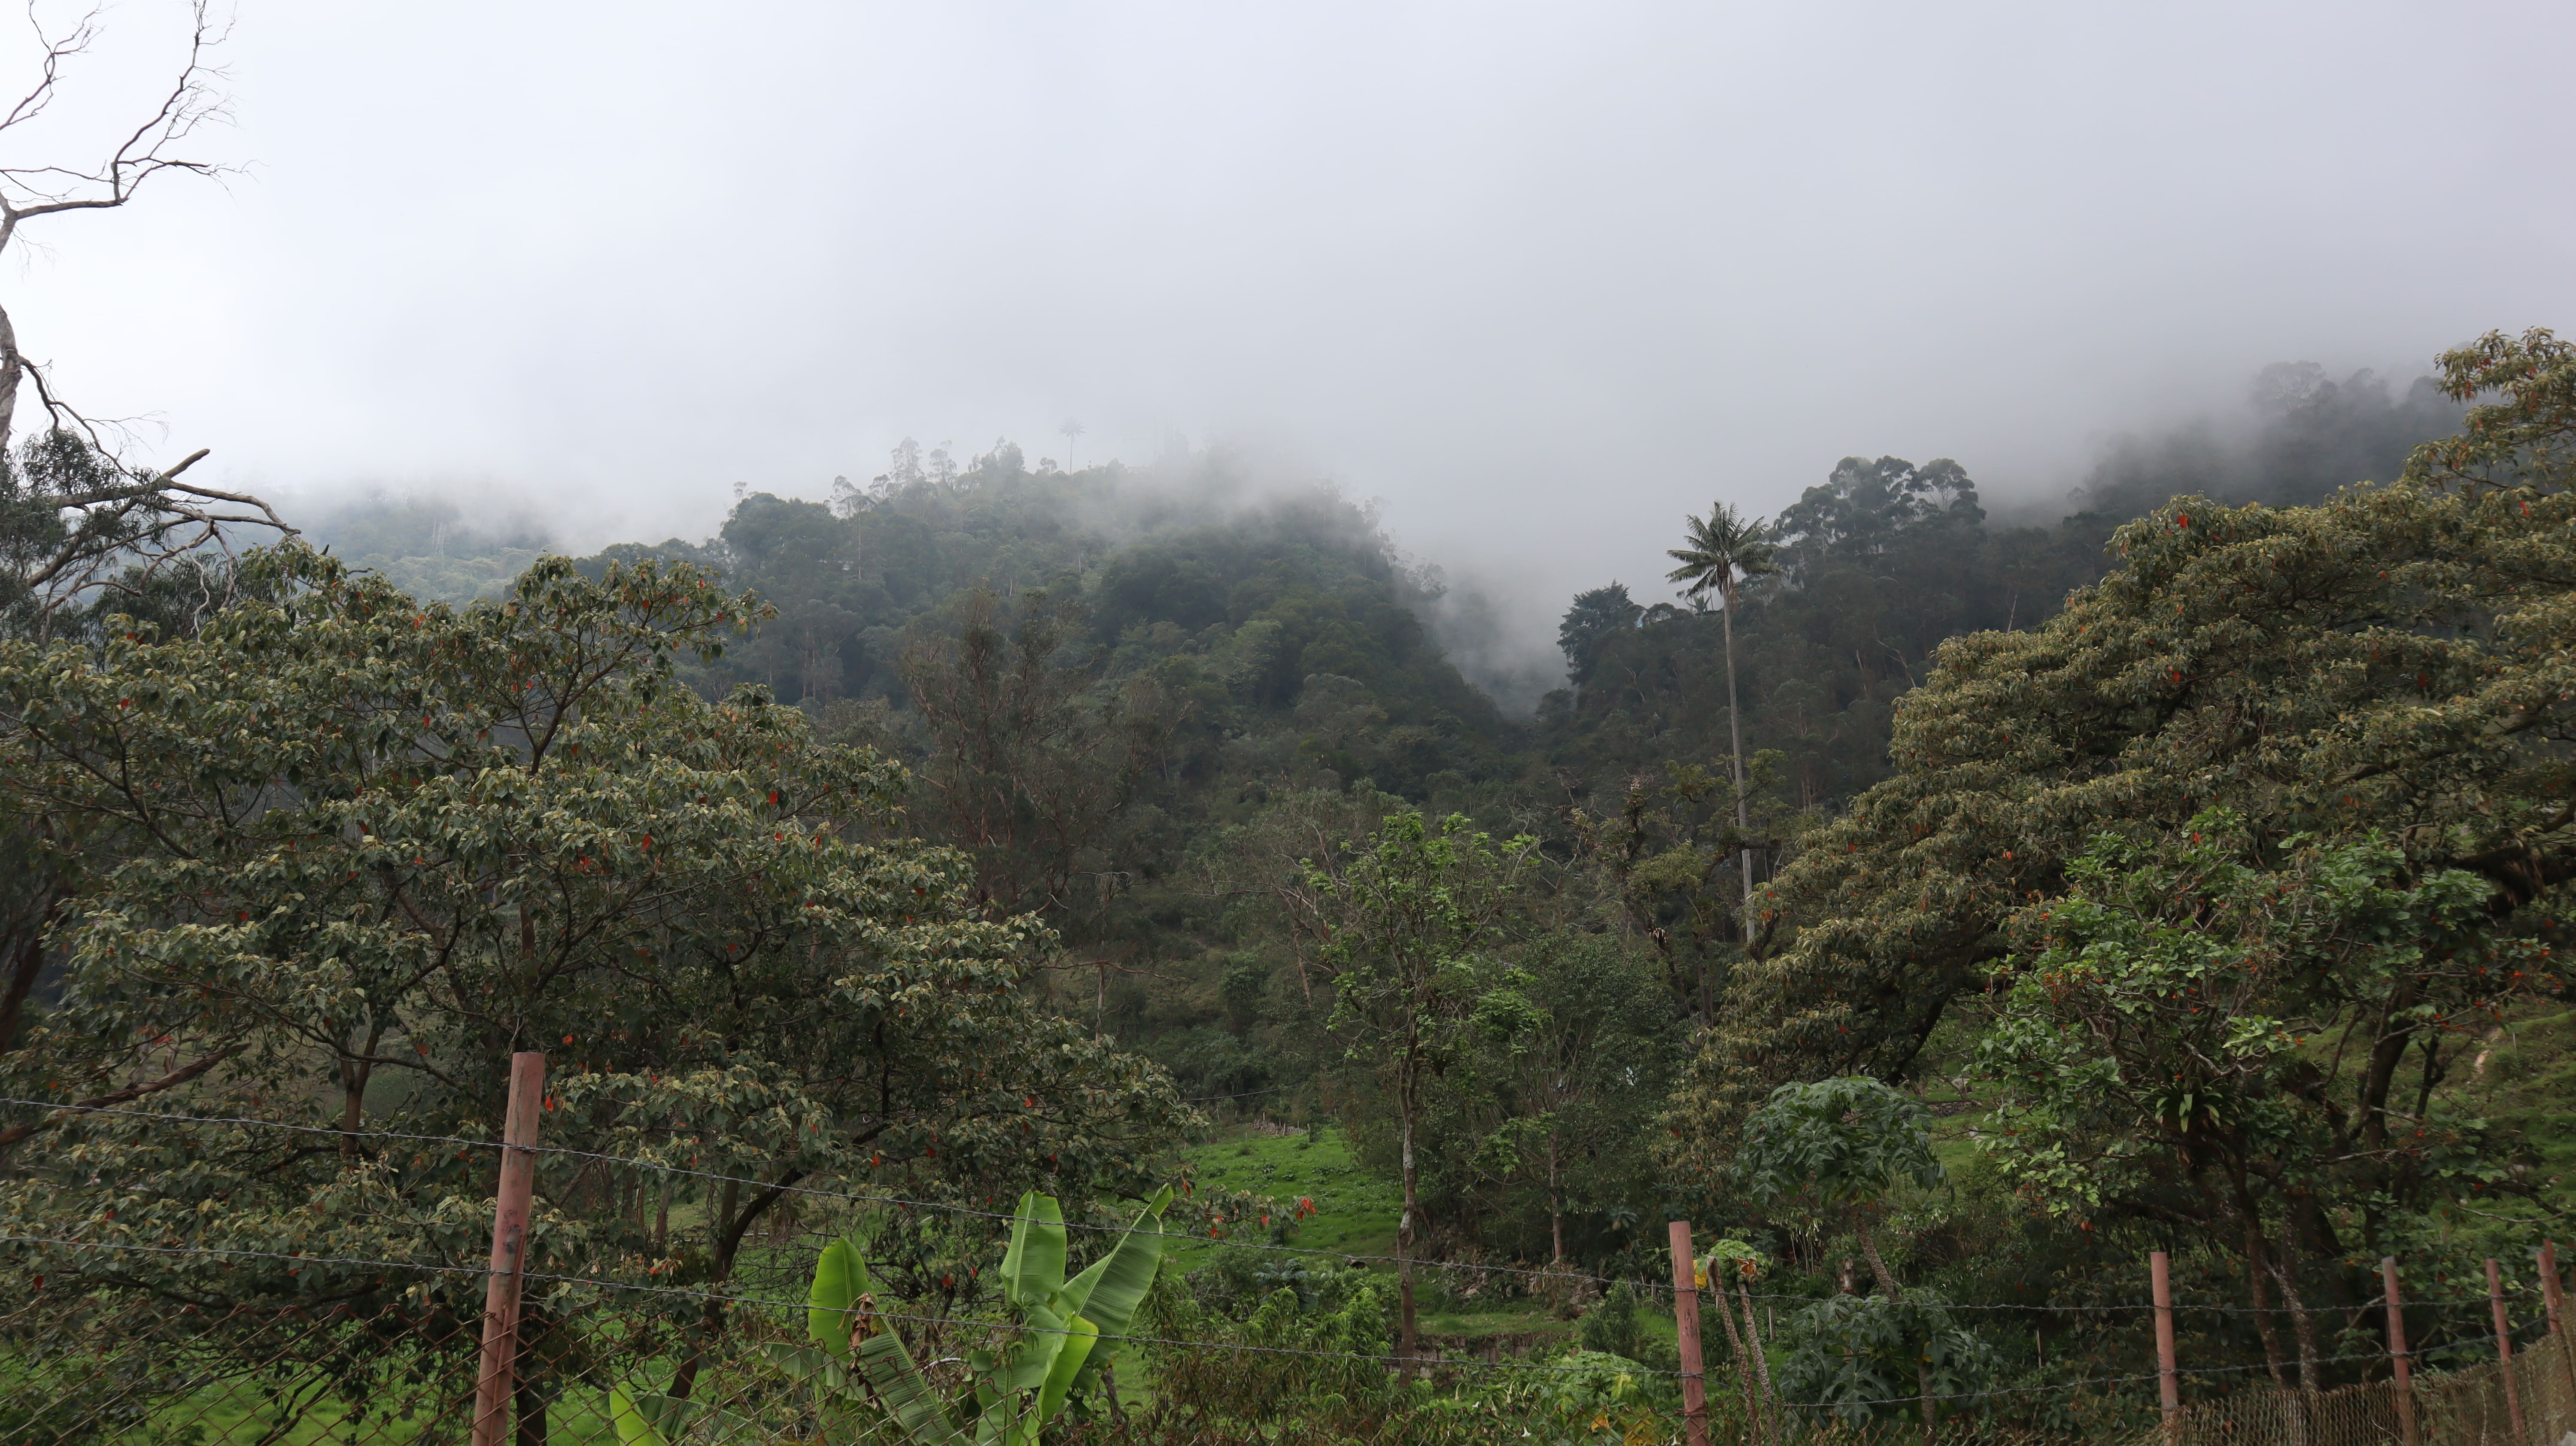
(1355, 1215)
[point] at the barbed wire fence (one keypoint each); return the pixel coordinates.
(113, 1335)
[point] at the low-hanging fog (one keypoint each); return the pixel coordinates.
(1543, 278)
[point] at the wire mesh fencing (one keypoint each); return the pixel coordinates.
(2529, 1401)
(100, 1346)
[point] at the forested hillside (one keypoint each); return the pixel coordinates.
(2182, 871)
(1113, 686)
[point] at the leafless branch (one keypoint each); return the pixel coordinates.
(157, 144)
(191, 101)
(49, 78)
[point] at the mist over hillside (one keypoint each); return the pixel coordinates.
(1007, 523)
(453, 544)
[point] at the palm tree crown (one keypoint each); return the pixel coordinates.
(1722, 549)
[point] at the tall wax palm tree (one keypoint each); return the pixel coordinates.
(1721, 551)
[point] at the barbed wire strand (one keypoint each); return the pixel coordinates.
(1662, 1289)
(1246, 1095)
(702, 1296)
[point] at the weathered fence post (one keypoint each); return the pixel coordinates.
(2399, 1365)
(1686, 1324)
(2549, 1291)
(2168, 1387)
(2504, 1349)
(2556, 1295)
(509, 1247)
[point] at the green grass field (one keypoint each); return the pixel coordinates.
(1355, 1214)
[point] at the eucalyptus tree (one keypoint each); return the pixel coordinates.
(1719, 553)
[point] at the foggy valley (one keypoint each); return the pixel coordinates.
(1409, 724)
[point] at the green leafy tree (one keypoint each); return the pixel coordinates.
(1030, 761)
(1560, 1110)
(1661, 860)
(1412, 926)
(342, 853)
(2244, 1037)
(1603, 612)
(1852, 1354)
(2395, 660)
(1835, 1150)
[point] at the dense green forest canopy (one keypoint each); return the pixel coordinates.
(1195, 809)
(1170, 650)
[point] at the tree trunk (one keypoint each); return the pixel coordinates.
(1735, 739)
(725, 1237)
(2257, 1268)
(2285, 1269)
(531, 1412)
(1761, 1363)
(1877, 1267)
(2258, 1264)
(1555, 1208)
(354, 1074)
(23, 969)
(1887, 1286)
(1407, 1339)
(1735, 1343)
(10, 367)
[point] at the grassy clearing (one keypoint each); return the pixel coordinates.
(1355, 1211)
(1355, 1214)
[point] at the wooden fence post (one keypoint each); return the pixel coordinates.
(2399, 1364)
(2549, 1290)
(2168, 1387)
(2504, 1349)
(509, 1247)
(2556, 1295)
(1686, 1324)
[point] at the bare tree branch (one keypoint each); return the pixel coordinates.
(152, 147)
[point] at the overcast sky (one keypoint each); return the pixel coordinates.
(1543, 277)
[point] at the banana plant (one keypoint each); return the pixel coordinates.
(1068, 1333)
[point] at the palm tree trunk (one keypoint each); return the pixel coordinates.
(1735, 737)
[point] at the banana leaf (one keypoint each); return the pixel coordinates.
(646, 1419)
(906, 1396)
(1081, 1336)
(840, 1278)
(1033, 1266)
(633, 1429)
(1107, 1294)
